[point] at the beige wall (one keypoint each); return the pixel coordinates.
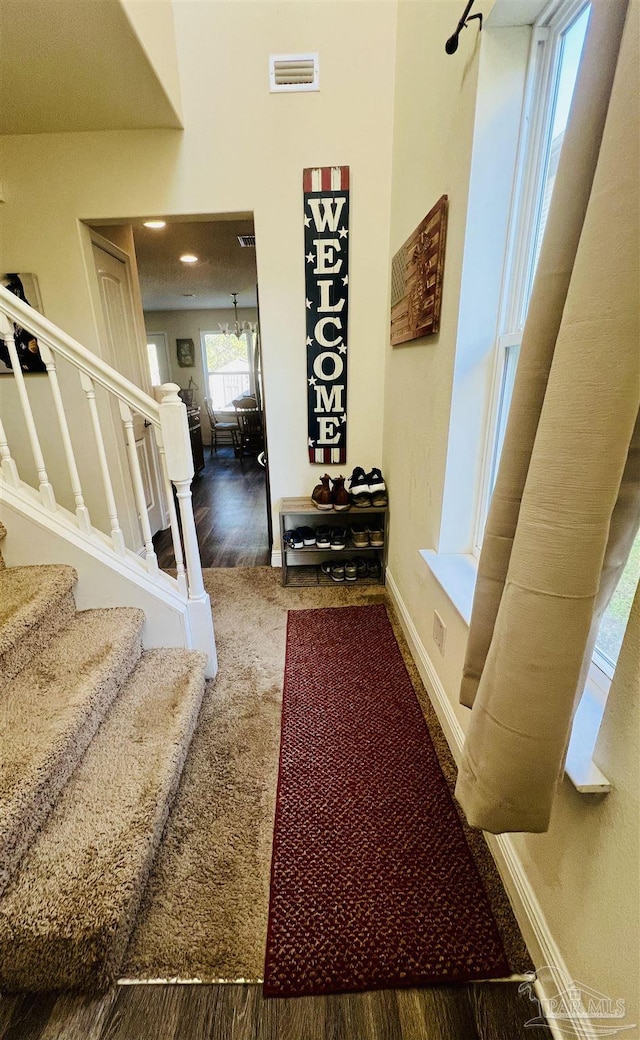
(584, 872)
(242, 150)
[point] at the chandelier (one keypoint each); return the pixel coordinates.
(237, 329)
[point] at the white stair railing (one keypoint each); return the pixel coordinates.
(170, 426)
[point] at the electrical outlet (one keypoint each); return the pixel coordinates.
(439, 631)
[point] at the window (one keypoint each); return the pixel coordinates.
(227, 362)
(154, 364)
(555, 59)
(158, 359)
(614, 621)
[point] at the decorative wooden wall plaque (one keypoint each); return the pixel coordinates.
(416, 278)
(326, 246)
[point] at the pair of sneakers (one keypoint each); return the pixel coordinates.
(331, 493)
(367, 489)
(351, 570)
(300, 537)
(363, 535)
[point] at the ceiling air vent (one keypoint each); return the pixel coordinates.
(289, 72)
(247, 241)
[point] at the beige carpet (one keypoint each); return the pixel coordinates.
(204, 913)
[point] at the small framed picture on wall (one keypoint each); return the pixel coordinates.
(186, 353)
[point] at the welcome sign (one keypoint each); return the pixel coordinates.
(326, 245)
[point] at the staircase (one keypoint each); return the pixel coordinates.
(93, 737)
(79, 474)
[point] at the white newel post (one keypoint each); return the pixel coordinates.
(179, 460)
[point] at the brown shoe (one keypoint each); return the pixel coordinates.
(339, 495)
(321, 495)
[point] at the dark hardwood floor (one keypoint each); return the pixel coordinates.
(478, 1011)
(230, 509)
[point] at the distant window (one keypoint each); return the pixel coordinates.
(154, 364)
(227, 363)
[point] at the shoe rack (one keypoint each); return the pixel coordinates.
(301, 567)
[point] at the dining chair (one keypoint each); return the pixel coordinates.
(222, 431)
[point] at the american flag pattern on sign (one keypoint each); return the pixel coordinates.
(326, 246)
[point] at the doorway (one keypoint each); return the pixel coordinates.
(115, 278)
(198, 285)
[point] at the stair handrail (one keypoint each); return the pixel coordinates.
(169, 420)
(69, 349)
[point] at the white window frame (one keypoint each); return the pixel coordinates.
(205, 365)
(536, 127)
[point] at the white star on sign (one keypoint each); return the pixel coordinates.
(311, 443)
(345, 280)
(343, 232)
(308, 304)
(342, 349)
(344, 418)
(313, 381)
(309, 341)
(307, 221)
(310, 258)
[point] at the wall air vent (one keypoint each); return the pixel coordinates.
(247, 241)
(289, 72)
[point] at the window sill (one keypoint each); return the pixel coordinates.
(456, 574)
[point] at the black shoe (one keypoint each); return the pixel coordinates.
(293, 539)
(323, 536)
(361, 566)
(308, 535)
(361, 501)
(326, 566)
(375, 481)
(357, 483)
(338, 538)
(373, 569)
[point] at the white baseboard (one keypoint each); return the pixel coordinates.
(529, 914)
(276, 558)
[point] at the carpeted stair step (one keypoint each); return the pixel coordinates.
(66, 918)
(49, 713)
(34, 603)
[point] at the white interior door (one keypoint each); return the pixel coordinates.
(114, 280)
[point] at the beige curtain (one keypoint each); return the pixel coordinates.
(567, 499)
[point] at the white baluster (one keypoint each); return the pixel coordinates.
(84, 521)
(7, 464)
(46, 489)
(117, 537)
(173, 516)
(138, 488)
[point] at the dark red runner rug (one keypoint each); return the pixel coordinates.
(373, 884)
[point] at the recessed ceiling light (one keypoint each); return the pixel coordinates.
(189, 258)
(188, 294)
(155, 223)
